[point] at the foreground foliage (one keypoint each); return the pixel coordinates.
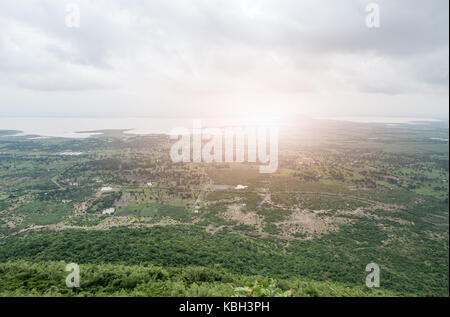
(22, 278)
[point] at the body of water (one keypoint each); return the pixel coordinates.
(393, 120)
(76, 127)
(86, 127)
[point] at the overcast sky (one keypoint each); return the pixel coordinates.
(224, 57)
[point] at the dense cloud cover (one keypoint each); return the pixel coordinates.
(210, 57)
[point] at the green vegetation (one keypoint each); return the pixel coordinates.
(48, 279)
(344, 196)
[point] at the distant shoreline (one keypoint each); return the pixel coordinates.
(77, 127)
(398, 120)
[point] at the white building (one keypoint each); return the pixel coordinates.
(108, 211)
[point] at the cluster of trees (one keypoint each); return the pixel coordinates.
(340, 257)
(21, 278)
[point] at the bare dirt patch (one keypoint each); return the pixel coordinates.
(124, 201)
(234, 212)
(311, 223)
(371, 213)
